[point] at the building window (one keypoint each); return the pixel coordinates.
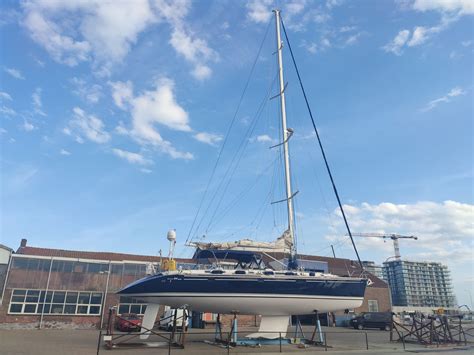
(129, 305)
(55, 302)
(31, 264)
(373, 306)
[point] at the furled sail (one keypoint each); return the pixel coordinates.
(282, 244)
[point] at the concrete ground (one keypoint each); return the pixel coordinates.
(339, 340)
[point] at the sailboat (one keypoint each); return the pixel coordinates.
(275, 295)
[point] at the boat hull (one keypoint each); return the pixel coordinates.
(275, 305)
(249, 295)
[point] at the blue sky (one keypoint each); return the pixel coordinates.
(113, 115)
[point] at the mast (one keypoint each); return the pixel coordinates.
(286, 136)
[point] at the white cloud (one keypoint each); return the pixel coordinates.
(185, 42)
(463, 7)
(90, 93)
(443, 228)
(150, 108)
(419, 36)
(294, 7)
(3, 130)
(325, 42)
(451, 11)
(146, 171)
(28, 126)
(457, 91)
(264, 138)
(195, 50)
(87, 126)
(5, 96)
(311, 47)
(333, 3)
(121, 129)
(63, 49)
(37, 103)
(106, 29)
(395, 46)
(133, 158)
(15, 73)
(259, 11)
(208, 138)
(201, 72)
(159, 106)
(466, 43)
(64, 152)
(121, 93)
(7, 111)
(353, 39)
(344, 29)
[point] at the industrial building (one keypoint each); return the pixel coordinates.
(374, 269)
(419, 284)
(46, 287)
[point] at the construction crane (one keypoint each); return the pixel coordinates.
(394, 237)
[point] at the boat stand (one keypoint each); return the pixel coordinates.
(299, 334)
(218, 338)
(316, 331)
(129, 340)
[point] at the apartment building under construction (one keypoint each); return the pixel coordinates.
(419, 284)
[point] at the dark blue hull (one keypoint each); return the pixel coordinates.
(236, 284)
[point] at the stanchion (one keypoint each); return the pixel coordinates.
(366, 342)
(98, 342)
(325, 342)
(280, 341)
(169, 343)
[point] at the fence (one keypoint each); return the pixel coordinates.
(211, 342)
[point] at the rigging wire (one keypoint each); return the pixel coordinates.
(228, 133)
(321, 147)
(239, 196)
(239, 153)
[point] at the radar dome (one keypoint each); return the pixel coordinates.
(171, 235)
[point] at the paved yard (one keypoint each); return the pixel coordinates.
(339, 340)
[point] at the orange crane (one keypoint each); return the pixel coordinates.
(394, 237)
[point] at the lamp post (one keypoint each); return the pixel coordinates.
(105, 294)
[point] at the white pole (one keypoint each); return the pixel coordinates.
(104, 299)
(46, 294)
(4, 286)
(289, 193)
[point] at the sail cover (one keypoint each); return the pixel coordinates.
(282, 245)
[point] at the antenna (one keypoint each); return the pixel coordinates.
(171, 236)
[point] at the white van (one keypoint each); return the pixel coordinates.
(167, 319)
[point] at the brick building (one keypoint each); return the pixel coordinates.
(63, 288)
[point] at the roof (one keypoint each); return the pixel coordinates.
(94, 255)
(2, 246)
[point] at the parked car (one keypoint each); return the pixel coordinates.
(129, 322)
(380, 320)
(166, 321)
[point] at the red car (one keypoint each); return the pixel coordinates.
(129, 322)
